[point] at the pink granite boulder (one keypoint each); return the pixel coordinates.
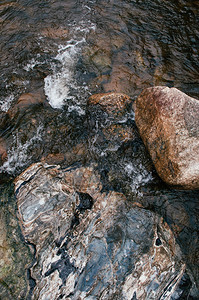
(168, 122)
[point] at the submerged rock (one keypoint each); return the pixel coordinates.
(109, 118)
(92, 244)
(113, 103)
(26, 101)
(55, 33)
(168, 123)
(32, 125)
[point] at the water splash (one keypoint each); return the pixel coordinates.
(61, 86)
(34, 62)
(18, 155)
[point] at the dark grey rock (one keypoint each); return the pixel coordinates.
(111, 252)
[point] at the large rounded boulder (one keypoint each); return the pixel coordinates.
(168, 122)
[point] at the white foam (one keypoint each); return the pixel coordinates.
(58, 86)
(18, 155)
(6, 103)
(32, 63)
(76, 108)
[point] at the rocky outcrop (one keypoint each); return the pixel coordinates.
(180, 210)
(168, 123)
(92, 244)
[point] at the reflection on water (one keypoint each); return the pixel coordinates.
(150, 43)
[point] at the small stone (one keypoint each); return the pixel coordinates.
(55, 33)
(112, 103)
(54, 158)
(27, 100)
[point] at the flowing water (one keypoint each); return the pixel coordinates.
(69, 50)
(72, 49)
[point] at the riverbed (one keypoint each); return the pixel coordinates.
(59, 53)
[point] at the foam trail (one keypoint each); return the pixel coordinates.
(59, 85)
(18, 155)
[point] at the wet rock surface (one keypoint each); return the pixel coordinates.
(15, 255)
(113, 103)
(179, 209)
(168, 123)
(93, 244)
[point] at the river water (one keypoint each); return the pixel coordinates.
(72, 49)
(69, 50)
(80, 47)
